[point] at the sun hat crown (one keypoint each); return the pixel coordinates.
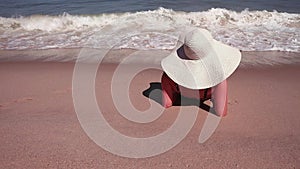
(199, 42)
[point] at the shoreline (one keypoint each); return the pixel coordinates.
(249, 58)
(39, 127)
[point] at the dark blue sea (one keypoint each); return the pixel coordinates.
(79, 7)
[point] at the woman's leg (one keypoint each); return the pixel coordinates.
(170, 91)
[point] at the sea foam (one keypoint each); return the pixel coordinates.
(156, 29)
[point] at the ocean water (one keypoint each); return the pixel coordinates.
(11, 8)
(250, 25)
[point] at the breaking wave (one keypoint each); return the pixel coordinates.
(156, 29)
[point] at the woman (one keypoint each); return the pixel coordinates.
(199, 69)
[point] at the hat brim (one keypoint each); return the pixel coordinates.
(206, 72)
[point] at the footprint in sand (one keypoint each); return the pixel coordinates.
(19, 100)
(60, 92)
(231, 102)
(23, 100)
(3, 105)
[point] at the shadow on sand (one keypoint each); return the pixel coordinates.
(154, 92)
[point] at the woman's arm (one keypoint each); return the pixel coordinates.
(219, 98)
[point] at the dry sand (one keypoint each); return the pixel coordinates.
(39, 127)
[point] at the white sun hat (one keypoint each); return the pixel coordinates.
(212, 63)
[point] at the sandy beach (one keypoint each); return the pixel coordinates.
(39, 127)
